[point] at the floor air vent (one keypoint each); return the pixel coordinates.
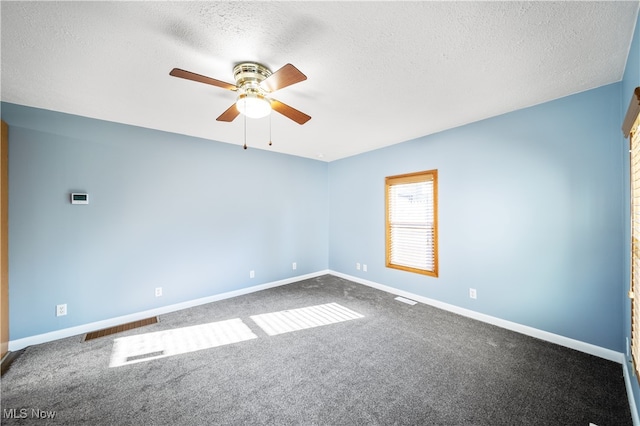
(144, 356)
(405, 300)
(120, 328)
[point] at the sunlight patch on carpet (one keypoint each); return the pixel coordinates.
(299, 319)
(161, 344)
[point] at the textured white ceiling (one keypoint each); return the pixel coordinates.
(379, 73)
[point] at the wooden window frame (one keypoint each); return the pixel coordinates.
(631, 129)
(427, 175)
(632, 113)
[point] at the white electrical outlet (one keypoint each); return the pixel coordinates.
(294, 266)
(158, 291)
(252, 274)
(358, 266)
(364, 268)
(472, 293)
(61, 310)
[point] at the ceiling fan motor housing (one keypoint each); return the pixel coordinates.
(248, 77)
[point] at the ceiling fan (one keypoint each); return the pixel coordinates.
(254, 84)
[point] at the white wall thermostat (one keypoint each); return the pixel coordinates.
(79, 198)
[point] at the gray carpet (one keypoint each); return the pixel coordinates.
(398, 365)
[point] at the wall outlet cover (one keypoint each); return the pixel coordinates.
(61, 310)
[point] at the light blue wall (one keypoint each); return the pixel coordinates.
(630, 81)
(190, 215)
(529, 215)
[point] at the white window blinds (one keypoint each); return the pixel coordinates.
(634, 294)
(411, 223)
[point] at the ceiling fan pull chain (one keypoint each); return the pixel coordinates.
(270, 130)
(245, 132)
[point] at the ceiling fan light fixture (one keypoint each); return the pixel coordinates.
(254, 85)
(253, 106)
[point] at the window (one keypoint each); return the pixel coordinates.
(631, 127)
(412, 222)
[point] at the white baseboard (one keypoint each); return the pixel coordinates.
(630, 396)
(16, 345)
(523, 329)
(611, 355)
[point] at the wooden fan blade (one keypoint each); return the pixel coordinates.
(177, 72)
(285, 76)
(290, 112)
(230, 114)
